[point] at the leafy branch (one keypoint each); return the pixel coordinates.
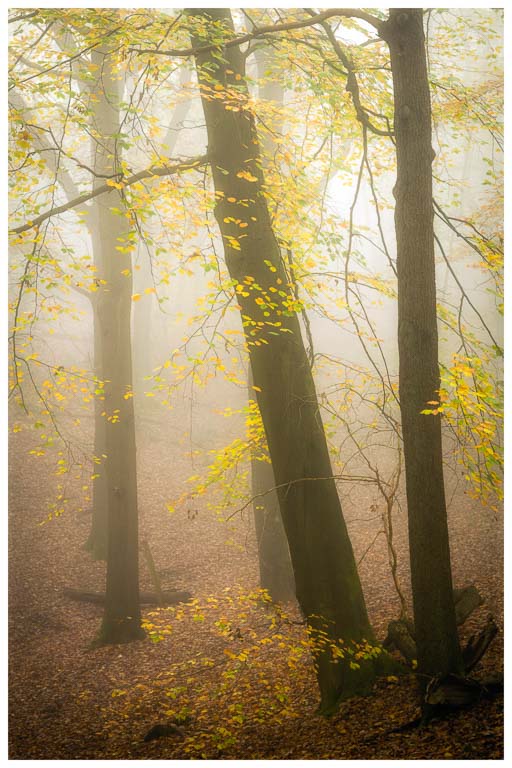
(118, 182)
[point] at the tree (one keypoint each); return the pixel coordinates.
(143, 332)
(268, 287)
(327, 584)
(276, 574)
(121, 620)
(434, 613)
(97, 540)
(114, 532)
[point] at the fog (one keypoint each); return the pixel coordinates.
(183, 317)
(330, 193)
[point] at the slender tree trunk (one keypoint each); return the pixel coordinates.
(142, 329)
(327, 582)
(143, 343)
(434, 614)
(121, 621)
(96, 542)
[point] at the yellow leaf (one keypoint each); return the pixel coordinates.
(247, 176)
(136, 297)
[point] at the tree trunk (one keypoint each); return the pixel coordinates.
(143, 311)
(276, 573)
(96, 542)
(327, 583)
(434, 614)
(143, 351)
(121, 621)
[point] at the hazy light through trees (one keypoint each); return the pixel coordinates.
(288, 261)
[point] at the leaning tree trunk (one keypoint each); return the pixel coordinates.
(434, 614)
(327, 583)
(121, 621)
(276, 572)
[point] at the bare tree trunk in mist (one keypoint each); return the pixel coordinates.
(121, 620)
(96, 542)
(327, 583)
(434, 613)
(143, 345)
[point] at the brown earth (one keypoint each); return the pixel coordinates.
(68, 701)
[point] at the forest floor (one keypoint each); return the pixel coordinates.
(232, 672)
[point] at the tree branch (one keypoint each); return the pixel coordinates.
(165, 170)
(352, 85)
(42, 144)
(356, 13)
(23, 16)
(463, 292)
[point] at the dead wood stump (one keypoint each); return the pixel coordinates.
(401, 631)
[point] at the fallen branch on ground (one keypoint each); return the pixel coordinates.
(169, 597)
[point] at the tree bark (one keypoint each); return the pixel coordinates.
(276, 572)
(121, 620)
(327, 583)
(434, 614)
(96, 542)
